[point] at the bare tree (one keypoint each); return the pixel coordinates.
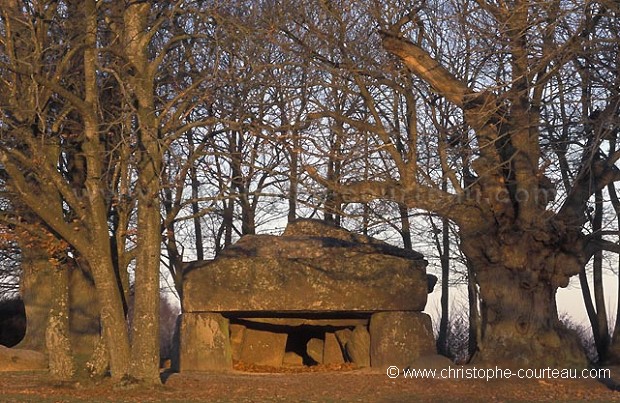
(521, 240)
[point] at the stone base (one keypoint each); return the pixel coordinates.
(209, 342)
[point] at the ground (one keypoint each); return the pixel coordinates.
(320, 386)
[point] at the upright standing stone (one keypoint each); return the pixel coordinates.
(205, 342)
(358, 346)
(237, 334)
(261, 347)
(399, 338)
(314, 348)
(332, 353)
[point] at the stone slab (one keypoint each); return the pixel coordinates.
(261, 347)
(332, 352)
(399, 338)
(237, 334)
(315, 348)
(338, 283)
(205, 343)
(14, 359)
(313, 267)
(308, 322)
(358, 346)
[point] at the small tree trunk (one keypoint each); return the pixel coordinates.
(442, 339)
(228, 221)
(61, 363)
(195, 185)
(587, 300)
(614, 348)
(475, 324)
(294, 182)
(248, 219)
(405, 226)
(602, 344)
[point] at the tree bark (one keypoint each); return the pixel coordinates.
(57, 340)
(475, 322)
(603, 340)
(145, 323)
(519, 315)
(442, 339)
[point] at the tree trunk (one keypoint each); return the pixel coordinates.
(195, 186)
(228, 221)
(112, 314)
(442, 338)
(614, 348)
(61, 363)
(294, 181)
(520, 325)
(405, 226)
(590, 311)
(602, 343)
(475, 325)
(145, 323)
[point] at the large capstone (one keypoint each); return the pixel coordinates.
(312, 267)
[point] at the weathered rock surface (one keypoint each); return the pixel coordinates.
(332, 352)
(343, 336)
(237, 335)
(313, 267)
(263, 348)
(292, 359)
(314, 348)
(287, 321)
(14, 359)
(205, 343)
(399, 338)
(358, 346)
(84, 308)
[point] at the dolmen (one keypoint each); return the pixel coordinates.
(317, 294)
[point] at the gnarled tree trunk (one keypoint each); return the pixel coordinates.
(518, 277)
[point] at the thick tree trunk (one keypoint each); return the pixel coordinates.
(112, 314)
(145, 324)
(518, 283)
